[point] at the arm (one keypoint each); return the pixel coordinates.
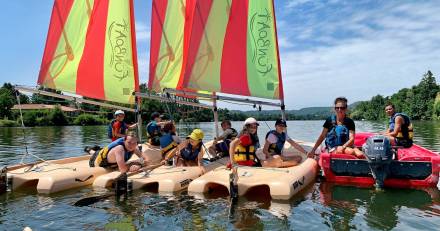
(318, 142)
(266, 149)
(119, 155)
(232, 147)
(132, 126)
(297, 146)
(350, 141)
(397, 127)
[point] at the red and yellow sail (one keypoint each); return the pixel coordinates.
(227, 46)
(91, 50)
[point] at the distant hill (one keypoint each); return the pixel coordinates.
(307, 113)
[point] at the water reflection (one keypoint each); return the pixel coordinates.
(380, 209)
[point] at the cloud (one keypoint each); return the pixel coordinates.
(357, 51)
(142, 32)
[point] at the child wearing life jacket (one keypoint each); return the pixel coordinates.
(169, 141)
(242, 150)
(274, 145)
(221, 144)
(154, 129)
(338, 132)
(190, 151)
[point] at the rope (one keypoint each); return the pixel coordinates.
(24, 133)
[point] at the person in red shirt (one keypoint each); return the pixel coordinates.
(118, 126)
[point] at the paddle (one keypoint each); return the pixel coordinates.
(93, 199)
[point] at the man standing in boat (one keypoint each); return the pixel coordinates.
(221, 143)
(400, 130)
(118, 153)
(274, 145)
(118, 128)
(338, 132)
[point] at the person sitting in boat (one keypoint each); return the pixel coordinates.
(154, 129)
(221, 144)
(118, 128)
(117, 154)
(190, 151)
(242, 150)
(400, 130)
(338, 132)
(169, 141)
(274, 145)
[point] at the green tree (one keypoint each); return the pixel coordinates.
(436, 108)
(57, 117)
(6, 102)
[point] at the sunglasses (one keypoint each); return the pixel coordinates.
(340, 108)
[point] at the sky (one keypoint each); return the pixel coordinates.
(332, 48)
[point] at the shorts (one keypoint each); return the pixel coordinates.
(403, 142)
(222, 147)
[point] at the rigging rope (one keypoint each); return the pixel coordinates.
(24, 133)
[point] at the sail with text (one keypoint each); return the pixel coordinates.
(226, 46)
(91, 50)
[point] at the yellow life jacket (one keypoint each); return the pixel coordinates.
(243, 153)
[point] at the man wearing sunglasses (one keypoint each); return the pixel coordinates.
(338, 132)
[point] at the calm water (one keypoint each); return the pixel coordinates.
(321, 206)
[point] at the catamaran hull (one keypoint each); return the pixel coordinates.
(281, 183)
(162, 179)
(55, 175)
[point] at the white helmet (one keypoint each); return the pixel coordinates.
(251, 120)
(119, 112)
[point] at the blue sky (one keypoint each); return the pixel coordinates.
(357, 49)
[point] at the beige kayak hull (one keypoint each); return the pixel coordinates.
(161, 179)
(282, 183)
(55, 175)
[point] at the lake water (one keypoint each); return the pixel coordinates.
(322, 206)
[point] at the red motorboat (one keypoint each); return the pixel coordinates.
(407, 168)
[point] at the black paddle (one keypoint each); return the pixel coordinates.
(123, 176)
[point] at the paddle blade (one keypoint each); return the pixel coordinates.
(91, 200)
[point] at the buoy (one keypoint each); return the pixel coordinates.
(27, 229)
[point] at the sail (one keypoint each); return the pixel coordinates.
(91, 50)
(229, 46)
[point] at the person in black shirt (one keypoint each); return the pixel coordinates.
(338, 132)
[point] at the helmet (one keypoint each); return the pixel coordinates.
(196, 134)
(251, 120)
(118, 112)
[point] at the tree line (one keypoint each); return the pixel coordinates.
(420, 102)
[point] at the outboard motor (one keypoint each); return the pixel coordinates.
(379, 155)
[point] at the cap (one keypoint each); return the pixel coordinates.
(251, 120)
(119, 112)
(281, 122)
(196, 134)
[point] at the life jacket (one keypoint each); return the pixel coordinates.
(101, 158)
(406, 131)
(154, 134)
(337, 135)
(167, 143)
(277, 147)
(110, 129)
(245, 151)
(189, 154)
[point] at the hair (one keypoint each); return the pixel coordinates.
(168, 127)
(131, 134)
(390, 104)
(155, 115)
(228, 122)
(342, 100)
